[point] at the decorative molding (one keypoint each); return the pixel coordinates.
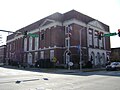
(37, 30)
(47, 20)
(71, 21)
(54, 24)
(55, 47)
(96, 24)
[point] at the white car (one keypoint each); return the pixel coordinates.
(113, 66)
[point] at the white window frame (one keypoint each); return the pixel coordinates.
(101, 43)
(42, 55)
(36, 56)
(51, 54)
(66, 30)
(10, 47)
(36, 43)
(66, 42)
(96, 39)
(30, 43)
(90, 39)
(25, 44)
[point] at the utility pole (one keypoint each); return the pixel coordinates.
(80, 62)
(68, 47)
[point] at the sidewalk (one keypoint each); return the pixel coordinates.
(56, 70)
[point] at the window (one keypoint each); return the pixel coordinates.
(67, 42)
(90, 36)
(10, 46)
(42, 55)
(100, 43)
(66, 30)
(36, 56)
(30, 43)
(90, 39)
(51, 54)
(29, 60)
(25, 44)
(96, 39)
(36, 43)
(42, 36)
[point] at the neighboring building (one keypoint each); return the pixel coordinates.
(3, 54)
(115, 54)
(53, 40)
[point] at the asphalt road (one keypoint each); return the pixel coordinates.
(13, 79)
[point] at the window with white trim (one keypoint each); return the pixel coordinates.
(36, 43)
(90, 39)
(25, 44)
(10, 47)
(51, 54)
(66, 42)
(90, 36)
(42, 36)
(36, 56)
(66, 30)
(30, 43)
(100, 43)
(96, 39)
(42, 55)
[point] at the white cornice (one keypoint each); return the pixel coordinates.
(98, 29)
(37, 30)
(54, 24)
(71, 21)
(55, 47)
(50, 25)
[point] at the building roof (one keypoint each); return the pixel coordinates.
(61, 18)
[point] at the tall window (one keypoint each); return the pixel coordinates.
(42, 36)
(42, 55)
(66, 42)
(10, 47)
(51, 54)
(66, 30)
(36, 56)
(90, 39)
(25, 44)
(30, 43)
(36, 43)
(96, 39)
(101, 43)
(90, 36)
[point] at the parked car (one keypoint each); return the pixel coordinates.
(113, 66)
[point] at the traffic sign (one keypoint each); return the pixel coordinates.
(110, 34)
(54, 59)
(70, 63)
(33, 35)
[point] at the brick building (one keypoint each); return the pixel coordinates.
(115, 54)
(3, 54)
(53, 41)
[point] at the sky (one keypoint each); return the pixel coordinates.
(15, 14)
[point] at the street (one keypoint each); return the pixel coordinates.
(14, 79)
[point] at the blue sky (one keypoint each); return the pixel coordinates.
(15, 14)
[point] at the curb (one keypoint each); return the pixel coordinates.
(48, 70)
